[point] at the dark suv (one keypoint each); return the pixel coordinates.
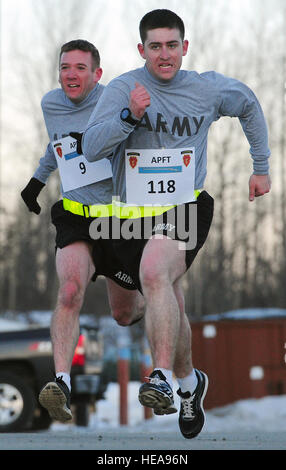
(26, 364)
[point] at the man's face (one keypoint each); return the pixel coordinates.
(76, 75)
(163, 51)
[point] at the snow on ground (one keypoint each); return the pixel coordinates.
(268, 413)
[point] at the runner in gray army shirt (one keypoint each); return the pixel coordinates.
(155, 121)
(66, 110)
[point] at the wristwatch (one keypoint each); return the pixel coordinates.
(126, 116)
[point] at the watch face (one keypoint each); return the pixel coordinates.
(124, 113)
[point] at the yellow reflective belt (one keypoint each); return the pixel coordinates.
(135, 212)
(119, 211)
(95, 210)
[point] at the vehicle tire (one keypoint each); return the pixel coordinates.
(42, 420)
(17, 403)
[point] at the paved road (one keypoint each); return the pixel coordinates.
(121, 440)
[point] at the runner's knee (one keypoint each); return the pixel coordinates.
(122, 316)
(70, 294)
(127, 317)
(152, 277)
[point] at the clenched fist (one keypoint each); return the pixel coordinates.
(139, 101)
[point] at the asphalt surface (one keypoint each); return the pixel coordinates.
(124, 441)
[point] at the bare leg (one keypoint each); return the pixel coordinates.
(74, 268)
(169, 336)
(126, 305)
(183, 358)
(161, 265)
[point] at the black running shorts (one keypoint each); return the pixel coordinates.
(176, 223)
(71, 228)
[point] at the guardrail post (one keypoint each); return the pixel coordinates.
(123, 377)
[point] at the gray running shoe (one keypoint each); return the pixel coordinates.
(157, 394)
(55, 397)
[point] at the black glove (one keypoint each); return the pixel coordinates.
(78, 137)
(30, 194)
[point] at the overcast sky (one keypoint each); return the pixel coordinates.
(113, 27)
(119, 19)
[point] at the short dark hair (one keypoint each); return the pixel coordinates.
(160, 18)
(82, 45)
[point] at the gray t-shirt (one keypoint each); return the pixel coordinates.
(62, 116)
(180, 115)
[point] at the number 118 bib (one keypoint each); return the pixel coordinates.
(160, 176)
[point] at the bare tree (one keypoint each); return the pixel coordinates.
(30, 271)
(243, 260)
(234, 269)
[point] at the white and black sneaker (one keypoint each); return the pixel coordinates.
(192, 416)
(55, 397)
(157, 394)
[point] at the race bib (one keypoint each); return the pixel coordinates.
(160, 176)
(75, 170)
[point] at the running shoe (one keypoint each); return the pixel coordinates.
(192, 416)
(157, 394)
(55, 397)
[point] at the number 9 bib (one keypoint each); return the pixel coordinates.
(160, 176)
(75, 170)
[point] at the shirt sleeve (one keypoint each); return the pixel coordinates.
(47, 165)
(238, 100)
(105, 130)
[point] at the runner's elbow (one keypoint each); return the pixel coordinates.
(89, 149)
